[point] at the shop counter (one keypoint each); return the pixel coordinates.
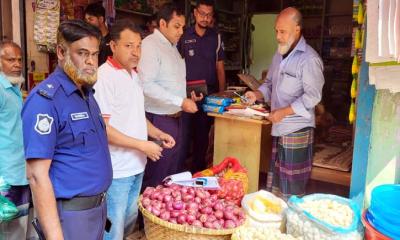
(248, 140)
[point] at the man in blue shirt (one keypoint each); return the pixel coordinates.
(293, 87)
(201, 46)
(68, 161)
(12, 160)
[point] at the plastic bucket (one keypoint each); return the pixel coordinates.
(384, 211)
(370, 232)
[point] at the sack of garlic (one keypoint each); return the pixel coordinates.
(260, 233)
(323, 216)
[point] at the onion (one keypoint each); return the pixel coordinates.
(149, 208)
(203, 218)
(178, 205)
(208, 224)
(192, 206)
(200, 193)
(156, 211)
(191, 191)
(181, 219)
(175, 213)
(146, 201)
(154, 195)
(192, 212)
(214, 197)
(167, 198)
(166, 191)
(173, 220)
(165, 215)
(187, 197)
(217, 225)
(219, 214)
(229, 224)
(197, 223)
(206, 210)
(148, 191)
(228, 215)
(190, 218)
(218, 206)
(184, 190)
(197, 200)
(211, 218)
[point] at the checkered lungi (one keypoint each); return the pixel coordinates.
(291, 163)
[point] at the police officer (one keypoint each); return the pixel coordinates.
(201, 46)
(68, 161)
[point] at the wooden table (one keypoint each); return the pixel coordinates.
(248, 140)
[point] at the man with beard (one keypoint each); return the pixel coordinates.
(95, 15)
(68, 161)
(12, 160)
(201, 46)
(293, 87)
(121, 100)
(162, 73)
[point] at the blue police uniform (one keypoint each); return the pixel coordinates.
(62, 125)
(201, 54)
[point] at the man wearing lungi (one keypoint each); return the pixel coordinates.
(293, 87)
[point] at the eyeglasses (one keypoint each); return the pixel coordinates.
(205, 15)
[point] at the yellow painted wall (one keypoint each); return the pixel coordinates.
(263, 43)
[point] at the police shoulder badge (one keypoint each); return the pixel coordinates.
(43, 124)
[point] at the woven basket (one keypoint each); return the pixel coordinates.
(158, 229)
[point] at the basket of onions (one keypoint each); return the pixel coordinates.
(177, 212)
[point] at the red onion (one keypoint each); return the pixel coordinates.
(146, 201)
(218, 206)
(206, 210)
(190, 218)
(154, 195)
(167, 198)
(228, 215)
(229, 224)
(217, 225)
(148, 191)
(156, 211)
(219, 214)
(173, 220)
(165, 215)
(197, 200)
(166, 191)
(178, 205)
(203, 218)
(175, 213)
(208, 224)
(192, 206)
(197, 223)
(211, 218)
(181, 219)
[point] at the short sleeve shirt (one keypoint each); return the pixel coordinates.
(201, 54)
(120, 97)
(62, 125)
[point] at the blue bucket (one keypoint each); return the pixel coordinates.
(384, 211)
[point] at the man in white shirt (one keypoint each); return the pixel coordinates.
(120, 97)
(163, 74)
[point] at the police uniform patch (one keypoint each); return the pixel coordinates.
(190, 41)
(43, 124)
(79, 116)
